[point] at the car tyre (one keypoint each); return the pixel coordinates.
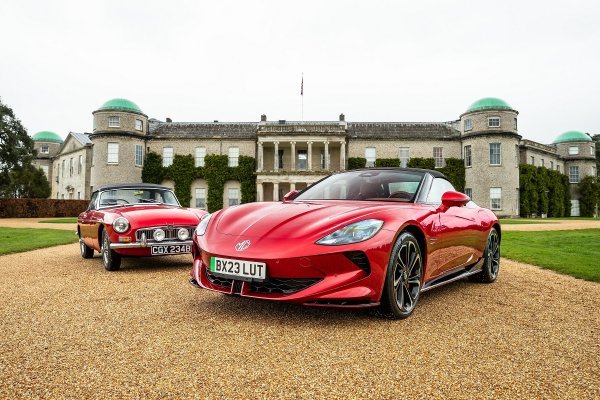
(491, 260)
(86, 252)
(110, 259)
(403, 280)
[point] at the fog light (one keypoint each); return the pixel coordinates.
(124, 239)
(159, 235)
(183, 234)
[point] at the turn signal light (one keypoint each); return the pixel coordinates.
(124, 239)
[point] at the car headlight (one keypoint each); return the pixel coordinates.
(353, 233)
(201, 228)
(120, 225)
(183, 234)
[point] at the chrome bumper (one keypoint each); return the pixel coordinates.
(145, 244)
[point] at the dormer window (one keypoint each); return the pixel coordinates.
(139, 125)
(494, 122)
(114, 122)
(44, 150)
(468, 124)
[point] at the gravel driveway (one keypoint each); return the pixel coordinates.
(71, 330)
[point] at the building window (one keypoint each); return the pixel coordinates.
(80, 167)
(558, 167)
(139, 155)
(574, 208)
(467, 156)
(302, 160)
(515, 125)
(78, 195)
(532, 160)
(573, 174)
(139, 125)
(167, 156)
(233, 196)
(495, 158)
(200, 154)
(71, 167)
(404, 156)
(573, 150)
(438, 156)
(371, 156)
(469, 192)
(45, 169)
(542, 163)
(468, 124)
(517, 154)
(112, 153)
(44, 150)
(234, 155)
(201, 198)
(551, 164)
(114, 122)
(494, 122)
(496, 198)
(591, 150)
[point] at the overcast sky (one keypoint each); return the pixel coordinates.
(234, 60)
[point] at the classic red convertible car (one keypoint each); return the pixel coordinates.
(364, 238)
(135, 220)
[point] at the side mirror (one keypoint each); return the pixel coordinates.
(454, 199)
(291, 195)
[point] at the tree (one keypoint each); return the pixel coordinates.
(16, 150)
(28, 182)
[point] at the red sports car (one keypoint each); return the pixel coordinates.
(135, 220)
(365, 238)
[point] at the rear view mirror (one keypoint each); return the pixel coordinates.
(291, 195)
(454, 199)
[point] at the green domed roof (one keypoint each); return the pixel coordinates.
(121, 105)
(47, 136)
(572, 136)
(489, 103)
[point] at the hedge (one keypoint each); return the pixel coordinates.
(215, 171)
(543, 191)
(356, 162)
(41, 208)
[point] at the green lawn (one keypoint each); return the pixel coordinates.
(16, 240)
(522, 222)
(574, 252)
(60, 221)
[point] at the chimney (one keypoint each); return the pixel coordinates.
(263, 118)
(169, 120)
(215, 121)
(342, 117)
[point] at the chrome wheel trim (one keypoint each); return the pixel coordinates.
(493, 254)
(106, 249)
(407, 276)
(82, 247)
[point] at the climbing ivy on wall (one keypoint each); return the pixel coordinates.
(589, 191)
(215, 171)
(543, 191)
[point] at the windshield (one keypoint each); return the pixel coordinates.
(127, 196)
(378, 185)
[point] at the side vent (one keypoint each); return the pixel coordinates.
(360, 259)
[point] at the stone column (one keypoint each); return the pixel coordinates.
(326, 156)
(343, 156)
(260, 157)
(276, 157)
(293, 156)
(292, 186)
(275, 190)
(309, 156)
(259, 192)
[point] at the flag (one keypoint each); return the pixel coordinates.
(302, 86)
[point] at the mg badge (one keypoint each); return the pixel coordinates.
(243, 245)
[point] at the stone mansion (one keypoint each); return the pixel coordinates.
(292, 154)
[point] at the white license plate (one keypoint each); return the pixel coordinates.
(238, 268)
(170, 249)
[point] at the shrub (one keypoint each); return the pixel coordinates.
(356, 162)
(41, 208)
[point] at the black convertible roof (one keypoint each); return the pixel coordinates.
(131, 186)
(434, 173)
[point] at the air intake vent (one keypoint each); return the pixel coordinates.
(360, 259)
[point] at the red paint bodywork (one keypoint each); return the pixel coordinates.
(283, 235)
(90, 223)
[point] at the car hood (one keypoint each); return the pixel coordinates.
(299, 219)
(159, 215)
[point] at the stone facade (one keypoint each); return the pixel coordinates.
(72, 167)
(45, 152)
(291, 155)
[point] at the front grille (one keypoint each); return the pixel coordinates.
(360, 259)
(282, 285)
(170, 233)
(215, 280)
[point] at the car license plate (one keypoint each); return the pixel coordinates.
(238, 268)
(170, 249)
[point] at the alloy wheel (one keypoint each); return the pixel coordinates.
(407, 276)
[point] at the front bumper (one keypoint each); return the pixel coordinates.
(137, 245)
